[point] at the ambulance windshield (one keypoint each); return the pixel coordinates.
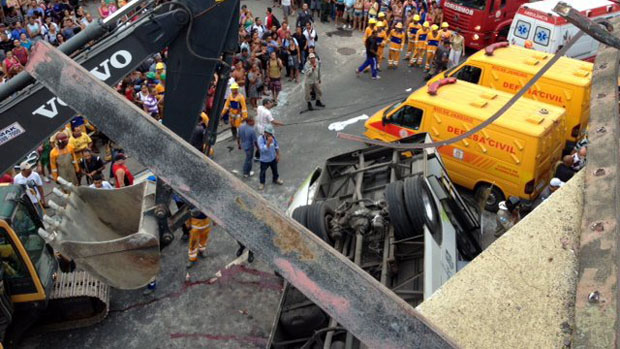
(477, 4)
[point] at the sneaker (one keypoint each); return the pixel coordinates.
(202, 254)
(246, 176)
(251, 173)
(261, 187)
(279, 182)
(46, 179)
(376, 77)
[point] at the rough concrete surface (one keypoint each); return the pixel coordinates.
(520, 292)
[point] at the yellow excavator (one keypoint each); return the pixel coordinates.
(33, 286)
(56, 272)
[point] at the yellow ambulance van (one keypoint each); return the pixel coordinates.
(508, 68)
(514, 156)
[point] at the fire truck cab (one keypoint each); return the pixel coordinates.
(481, 22)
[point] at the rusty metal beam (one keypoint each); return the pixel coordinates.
(374, 314)
(596, 305)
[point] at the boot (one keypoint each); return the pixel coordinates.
(310, 107)
(319, 104)
(190, 264)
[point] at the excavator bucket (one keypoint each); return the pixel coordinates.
(112, 234)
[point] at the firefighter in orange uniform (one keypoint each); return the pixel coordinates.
(236, 108)
(420, 48)
(381, 17)
(199, 230)
(412, 31)
(381, 41)
(371, 26)
(446, 34)
(432, 43)
(397, 37)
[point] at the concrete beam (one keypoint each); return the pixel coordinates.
(520, 292)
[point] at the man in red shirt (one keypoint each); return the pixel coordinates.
(122, 175)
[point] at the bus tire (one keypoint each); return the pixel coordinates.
(300, 214)
(319, 216)
(396, 208)
(421, 206)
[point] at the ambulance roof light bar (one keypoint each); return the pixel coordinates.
(434, 87)
(491, 48)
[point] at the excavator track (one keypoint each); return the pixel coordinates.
(78, 299)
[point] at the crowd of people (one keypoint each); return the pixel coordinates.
(25, 22)
(425, 44)
(271, 52)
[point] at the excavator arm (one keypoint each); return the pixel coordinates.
(30, 113)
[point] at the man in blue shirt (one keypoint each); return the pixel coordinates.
(246, 141)
(18, 31)
(269, 156)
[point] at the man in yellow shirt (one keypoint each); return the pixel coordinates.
(63, 161)
(381, 41)
(412, 31)
(432, 43)
(79, 141)
(236, 109)
(397, 38)
(420, 49)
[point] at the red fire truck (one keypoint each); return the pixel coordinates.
(481, 22)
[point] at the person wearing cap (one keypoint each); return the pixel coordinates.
(312, 81)
(369, 29)
(446, 34)
(63, 160)
(508, 215)
(199, 230)
(554, 185)
(80, 141)
(381, 42)
(396, 45)
(412, 31)
(457, 48)
(372, 47)
(122, 175)
(432, 43)
(236, 109)
(420, 49)
(269, 156)
(381, 18)
(32, 183)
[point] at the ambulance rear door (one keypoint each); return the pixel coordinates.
(520, 30)
(544, 36)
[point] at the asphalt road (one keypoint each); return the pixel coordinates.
(237, 310)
